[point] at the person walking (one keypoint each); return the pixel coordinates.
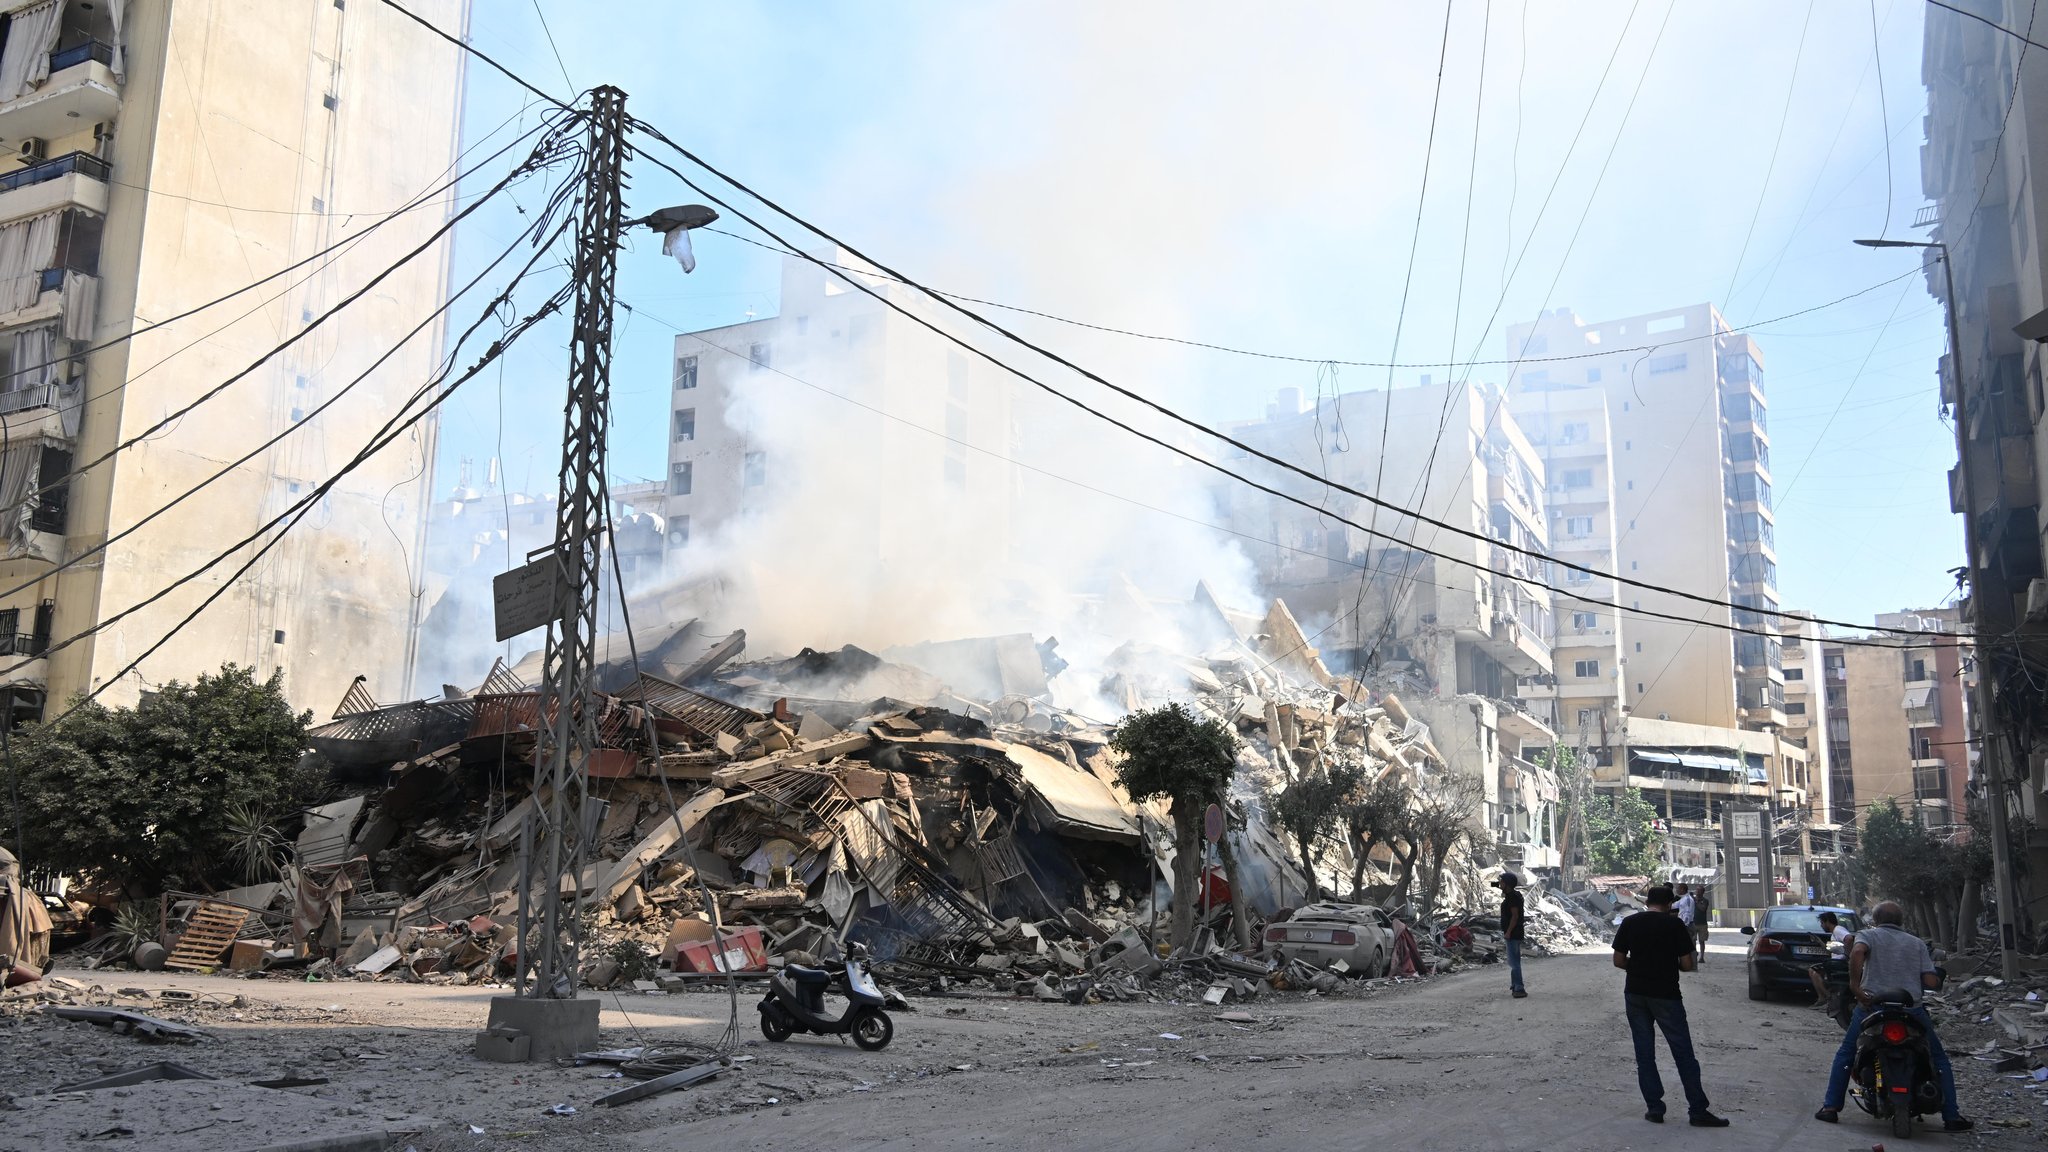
(1653, 947)
(1682, 907)
(1513, 918)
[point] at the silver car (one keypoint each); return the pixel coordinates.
(1360, 935)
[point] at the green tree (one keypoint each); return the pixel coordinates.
(1439, 820)
(1311, 808)
(1621, 834)
(150, 797)
(1374, 815)
(1170, 752)
(1934, 876)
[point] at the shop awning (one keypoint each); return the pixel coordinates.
(1919, 697)
(1699, 761)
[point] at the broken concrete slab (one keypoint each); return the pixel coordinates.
(664, 837)
(123, 1021)
(161, 1070)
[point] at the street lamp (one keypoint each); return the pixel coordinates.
(675, 225)
(1992, 753)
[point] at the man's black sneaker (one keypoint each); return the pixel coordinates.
(1828, 1115)
(1959, 1124)
(1707, 1120)
(1654, 1117)
(1519, 994)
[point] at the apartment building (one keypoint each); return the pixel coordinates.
(1900, 728)
(1569, 428)
(761, 408)
(1987, 117)
(160, 156)
(1455, 637)
(1655, 441)
(1807, 699)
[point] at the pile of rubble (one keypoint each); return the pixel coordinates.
(930, 803)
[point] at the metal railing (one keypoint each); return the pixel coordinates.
(80, 53)
(83, 163)
(24, 643)
(23, 399)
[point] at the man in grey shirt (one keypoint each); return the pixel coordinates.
(1887, 958)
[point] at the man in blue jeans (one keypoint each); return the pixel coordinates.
(1654, 947)
(1887, 958)
(1512, 920)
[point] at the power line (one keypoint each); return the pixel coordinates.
(1154, 405)
(388, 432)
(1993, 24)
(473, 50)
(551, 45)
(1885, 113)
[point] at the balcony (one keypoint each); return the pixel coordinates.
(75, 179)
(1922, 704)
(1930, 779)
(81, 91)
(1516, 646)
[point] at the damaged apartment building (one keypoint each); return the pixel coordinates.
(115, 221)
(1454, 641)
(1655, 467)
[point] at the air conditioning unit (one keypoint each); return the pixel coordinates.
(34, 149)
(2037, 599)
(1663, 715)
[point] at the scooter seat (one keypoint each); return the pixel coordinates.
(803, 975)
(1895, 996)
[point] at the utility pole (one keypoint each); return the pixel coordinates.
(1992, 748)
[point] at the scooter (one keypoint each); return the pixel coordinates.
(796, 1003)
(1893, 1071)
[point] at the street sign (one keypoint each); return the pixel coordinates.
(1212, 824)
(528, 597)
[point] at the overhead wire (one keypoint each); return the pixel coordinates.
(397, 424)
(1175, 416)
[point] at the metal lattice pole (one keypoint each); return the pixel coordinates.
(567, 720)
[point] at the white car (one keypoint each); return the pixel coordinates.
(1361, 935)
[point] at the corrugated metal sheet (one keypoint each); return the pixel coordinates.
(707, 715)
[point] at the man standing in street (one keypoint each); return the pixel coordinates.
(1683, 907)
(1653, 947)
(1887, 958)
(1512, 920)
(1702, 916)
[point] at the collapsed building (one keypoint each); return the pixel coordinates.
(929, 802)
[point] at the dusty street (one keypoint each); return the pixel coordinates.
(1449, 1064)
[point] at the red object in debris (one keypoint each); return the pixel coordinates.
(610, 764)
(22, 974)
(744, 952)
(1215, 889)
(482, 925)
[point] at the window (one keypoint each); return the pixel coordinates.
(758, 356)
(1577, 477)
(277, 636)
(1586, 669)
(1585, 620)
(679, 479)
(1585, 717)
(1536, 346)
(678, 531)
(1751, 528)
(803, 325)
(52, 491)
(956, 376)
(1575, 432)
(1794, 673)
(1748, 487)
(1675, 362)
(686, 424)
(955, 471)
(1639, 645)
(1578, 525)
(1747, 446)
(1592, 375)
(1916, 669)
(686, 372)
(754, 469)
(1574, 576)
(1795, 708)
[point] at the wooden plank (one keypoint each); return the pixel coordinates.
(210, 930)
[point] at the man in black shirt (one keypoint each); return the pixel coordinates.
(1654, 947)
(1512, 919)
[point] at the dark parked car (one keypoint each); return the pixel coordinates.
(1785, 943)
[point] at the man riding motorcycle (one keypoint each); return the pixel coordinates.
(1887, 958)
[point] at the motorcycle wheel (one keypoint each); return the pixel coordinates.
(872, 1030)
(775, 1027)
(1902, 1121)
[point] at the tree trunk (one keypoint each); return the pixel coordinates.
(1404, 875)
(1308, 870)
(1433, 885)
(1361, 859)
(1968, 907)
(1187, 875)
(1240, 915)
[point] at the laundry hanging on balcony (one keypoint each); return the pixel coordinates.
(26, 248)
(25, 59)
(81, 303)
(117, 10)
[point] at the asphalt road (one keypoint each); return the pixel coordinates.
(1450, 1063)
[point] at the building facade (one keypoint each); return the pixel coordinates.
(1987, 117)
(1900, 728)
(164, 155)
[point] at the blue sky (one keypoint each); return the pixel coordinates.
(1253, 181)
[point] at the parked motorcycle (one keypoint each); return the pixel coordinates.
(1893, 1073)
(796, 1003)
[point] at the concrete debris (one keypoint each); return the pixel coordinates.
(933, 803)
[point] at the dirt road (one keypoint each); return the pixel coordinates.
(1448, 1064)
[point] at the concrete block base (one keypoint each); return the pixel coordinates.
(552, 1028)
